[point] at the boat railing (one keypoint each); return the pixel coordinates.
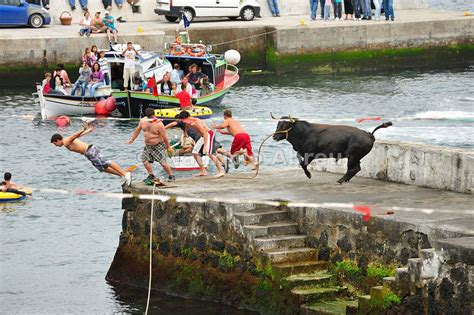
(233, 69)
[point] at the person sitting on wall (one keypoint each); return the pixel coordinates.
(86, 25)
(98, 25)
(111, 29)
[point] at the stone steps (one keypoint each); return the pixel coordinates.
(310, 279)
(316, 294)
(261, 216)
(293, 268)
(278, 255)
(280, 241)
(331, 307)
(272, 228)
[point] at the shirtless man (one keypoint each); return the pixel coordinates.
(156, 144)
(9, 186)
(241, 139)
(90, 152)
(204, 145)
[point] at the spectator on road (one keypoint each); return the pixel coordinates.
(366, 9)
(313, 5)
(338, 10)
(86, 25)
(388, 7)
(378, 8)
(273, 6)
(327, 10)
(111, 30)
(108, 4)
(356, 6)
(348, 9)
(83, 4)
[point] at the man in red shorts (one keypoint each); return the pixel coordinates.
(241, 143)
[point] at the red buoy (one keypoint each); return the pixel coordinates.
(105, 107)
(63, 121)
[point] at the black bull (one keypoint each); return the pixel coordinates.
(316, 141)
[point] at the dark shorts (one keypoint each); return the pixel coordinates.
(152, 153)
(97, 159)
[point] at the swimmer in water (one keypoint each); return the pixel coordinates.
(91, 152)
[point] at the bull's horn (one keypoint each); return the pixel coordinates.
(273, 117)
(292, 120)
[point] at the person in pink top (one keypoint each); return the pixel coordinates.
(97, 79)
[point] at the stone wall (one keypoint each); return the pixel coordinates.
(413, 164)
(290, 7)
(199, 250)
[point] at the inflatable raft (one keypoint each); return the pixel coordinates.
(11, 197)
(201, 112)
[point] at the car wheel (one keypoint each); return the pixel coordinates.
(233, 18)
(189, 13)
(247, 14)
(36, 21)
(170, 18)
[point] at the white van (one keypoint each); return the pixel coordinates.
(247, 10)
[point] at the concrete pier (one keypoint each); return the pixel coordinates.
(268, 42)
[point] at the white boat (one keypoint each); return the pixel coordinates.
(147, 64)
(187, 162)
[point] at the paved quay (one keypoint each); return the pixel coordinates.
(288, 35)
(292, 185)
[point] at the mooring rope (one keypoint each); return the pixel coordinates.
(151, 249)
(244, 38)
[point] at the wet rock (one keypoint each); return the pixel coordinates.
(446, 289)
(459, 274)
(404, 256)
(231, 249)
(201, 242)
(214, 260)
(324, 253)
(344, 244)
(312, 241)
(217, 245)
(363, 263)
(164, 248)
(336, 258)
(389, 255)
(176, 249)
(323, 239)
(211, 227)
(181, 218)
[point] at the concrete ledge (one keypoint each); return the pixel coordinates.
(413, 164)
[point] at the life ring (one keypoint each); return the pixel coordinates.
(177, 50)
(179, 40)
(196, 52)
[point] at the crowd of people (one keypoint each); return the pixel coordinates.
(353, 9)
(98, 24)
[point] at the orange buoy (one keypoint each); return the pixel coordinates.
(63, 121)
(105, 106)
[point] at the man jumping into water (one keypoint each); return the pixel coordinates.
(90, 152)
(204, 145)
(241, 143)
(156, 144)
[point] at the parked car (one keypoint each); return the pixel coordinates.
(247, 10)
(20, 12)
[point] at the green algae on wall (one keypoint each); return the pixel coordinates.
(370, 60)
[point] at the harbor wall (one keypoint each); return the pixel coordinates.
(413, 164)
(207, 251)
(289, 7)
(346, 47)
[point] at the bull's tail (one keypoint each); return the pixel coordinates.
(384, 125)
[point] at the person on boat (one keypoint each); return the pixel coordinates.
(183, 97)
(58, 85)
(83, 80)
(89, 57)
(111, 30)
(206, 86)
(46, 83)
(241, 144)
(174, 89)
(86, 25)
(98, 25)
(104, 66)
(156, 144)
(176, 74)
(204, 145)
(195, 76)
(165, 85)
(63, 74)
(96, 79)
(91, 152)
(129, 65)
(95, 51)
(185, 86)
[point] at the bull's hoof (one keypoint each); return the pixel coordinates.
(308, 174)
(340, 181)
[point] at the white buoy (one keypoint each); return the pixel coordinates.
(232, 57)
